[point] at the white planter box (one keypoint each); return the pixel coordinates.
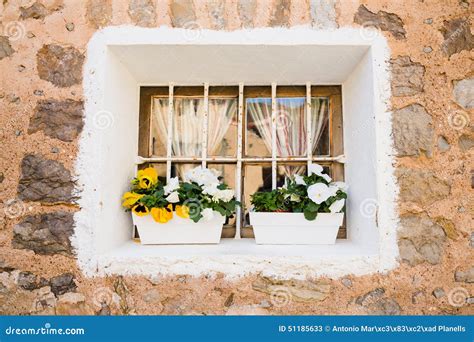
(179, 230)
(294, 229)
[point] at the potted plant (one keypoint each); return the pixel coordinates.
(191, 211)
(307, 210)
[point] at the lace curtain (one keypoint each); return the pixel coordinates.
(188, 118)
(290, 125)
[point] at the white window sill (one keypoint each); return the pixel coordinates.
(236, 258)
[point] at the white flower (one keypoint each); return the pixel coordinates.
(315, 168)
(202, 176)
(340, 185)
(173, 197)
(207, 214)
(319, 192)
(223, 195)
(326, 177)
(333, 189)
(337, 206)
(299, 180)
(318, 170)
(173, 184)
(210, 189)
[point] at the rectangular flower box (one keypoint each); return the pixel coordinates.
(294, 229)
(179, 230)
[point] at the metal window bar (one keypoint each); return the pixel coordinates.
(170, 132)
(309, 142)
(274, 143)
(238, 177)
(205, 122)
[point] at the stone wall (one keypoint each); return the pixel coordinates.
(42, 51)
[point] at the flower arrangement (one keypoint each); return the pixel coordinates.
(197, 197)
(312, 194)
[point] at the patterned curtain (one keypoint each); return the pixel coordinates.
(290, 125)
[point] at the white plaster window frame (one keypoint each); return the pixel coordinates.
(121, 59)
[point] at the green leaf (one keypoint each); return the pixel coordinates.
(310, 215)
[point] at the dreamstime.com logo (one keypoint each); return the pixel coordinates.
(192, 31)
(368, 31)
(368, 207)
(458, 120)
(14, 208)
(103, 119)
(458, 296)
(102, 296)
(14, 30)
(281, 296)
(46, 330)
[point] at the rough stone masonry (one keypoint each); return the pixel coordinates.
(42, 52)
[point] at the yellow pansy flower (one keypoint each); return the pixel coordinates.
(182, 211)
(147, 178)
(140, 210)
(130, 198)
(162, 215)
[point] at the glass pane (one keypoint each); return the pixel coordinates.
(159, 127)
(320, 125)
(187, 127)
(222, 128)
(256, 178)
(285, 171)
(290, 121)
(179, 169)
(258, 135)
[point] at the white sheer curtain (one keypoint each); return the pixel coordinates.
(188, 123)
(290, 125)
(221, 114)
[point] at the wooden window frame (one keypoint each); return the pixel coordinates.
(335, 159)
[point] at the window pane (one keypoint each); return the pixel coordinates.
(222, 128)
(187, 127)
(290, 121)
(258, 135)
(188, 118)
(179, 169)
(159, 126)
(285, 171)
(320, 125)
(256, 178)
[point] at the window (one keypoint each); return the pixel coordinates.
(256, 136)
(125, 59)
